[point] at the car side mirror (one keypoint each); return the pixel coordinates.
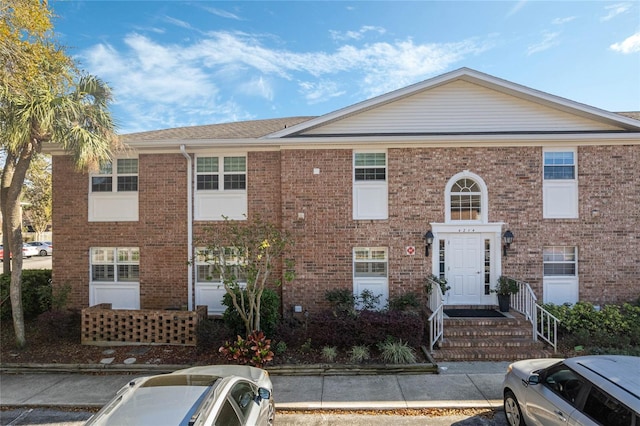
(534, 379)
(263, 393)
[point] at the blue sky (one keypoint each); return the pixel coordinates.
(184, 63)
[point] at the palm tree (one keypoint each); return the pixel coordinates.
(78, 120)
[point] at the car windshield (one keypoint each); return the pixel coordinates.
(169, 399)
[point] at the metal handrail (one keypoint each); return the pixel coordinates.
(436, 319)
(545, 325)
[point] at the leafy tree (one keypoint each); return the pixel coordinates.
(37, 193)
(43, 99)
(246, 252)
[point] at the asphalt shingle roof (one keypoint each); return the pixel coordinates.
(234, 130)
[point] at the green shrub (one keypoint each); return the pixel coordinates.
(269, 313)
(406, 302)
(342, 301)
(280, 348)
(36, 293)
(329, 353)
(396, 352)
(611, 329)
(358, 354)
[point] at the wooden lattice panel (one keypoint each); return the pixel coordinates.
(102, 325)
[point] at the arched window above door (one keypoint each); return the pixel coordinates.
(466, 199)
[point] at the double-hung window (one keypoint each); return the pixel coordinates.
(121, 178)
(560, 274)
(213, 266)
(370, 273)
(113, 191)
(211, 171)
(559, 261)
(221, 187)
(370, 196)
(115, 264)
(115, 277)
(560, 183)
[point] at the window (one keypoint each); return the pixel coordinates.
(370, 262)
(559, 165)
(115, 264)
(560, 183)
(370, 166)
(564, 382)
(125, 176)
(243, 394)
(559, 261)
(606, 410)
(209, 176)
(227, 415)
(210, 265)
(466, 200)
(370, 194)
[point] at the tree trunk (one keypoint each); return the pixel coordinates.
(12, 180)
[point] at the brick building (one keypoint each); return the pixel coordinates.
(464, 156)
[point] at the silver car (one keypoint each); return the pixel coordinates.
(210, 395)
(586, 390)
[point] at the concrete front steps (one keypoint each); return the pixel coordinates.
(489, 339)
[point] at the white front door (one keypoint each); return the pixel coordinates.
(465, 271)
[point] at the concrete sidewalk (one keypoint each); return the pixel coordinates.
(461, 385)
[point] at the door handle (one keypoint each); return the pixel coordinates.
(560, 416)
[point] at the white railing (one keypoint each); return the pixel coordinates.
(436, 320)
(545, 325)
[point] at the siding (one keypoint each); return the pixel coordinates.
(459, 106)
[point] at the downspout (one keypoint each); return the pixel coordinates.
(189, 227)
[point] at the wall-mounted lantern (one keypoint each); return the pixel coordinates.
(508, 239)
(428, 239)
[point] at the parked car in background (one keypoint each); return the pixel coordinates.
(29, 251)
(213, 395)
(45, 248)
(586, 390)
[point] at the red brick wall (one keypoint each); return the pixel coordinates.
(161, 232)
(282, 184)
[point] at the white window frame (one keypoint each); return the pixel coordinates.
(111, 171)
(560, 196)
(206, 258)
(123, 292)
(377, 283)
(221, 173)
(216, 204)
(560, 288)
(114, 205)
(370, 196)
(560, 251)
(484, 198)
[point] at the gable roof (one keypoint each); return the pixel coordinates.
(468, 95)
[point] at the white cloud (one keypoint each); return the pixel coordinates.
(629, 45)
(560, 21)
(259, 87)
(156, 84)
(615, 10)
(319, 91)
(548, 41)
(222, 13)
(355, 35)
